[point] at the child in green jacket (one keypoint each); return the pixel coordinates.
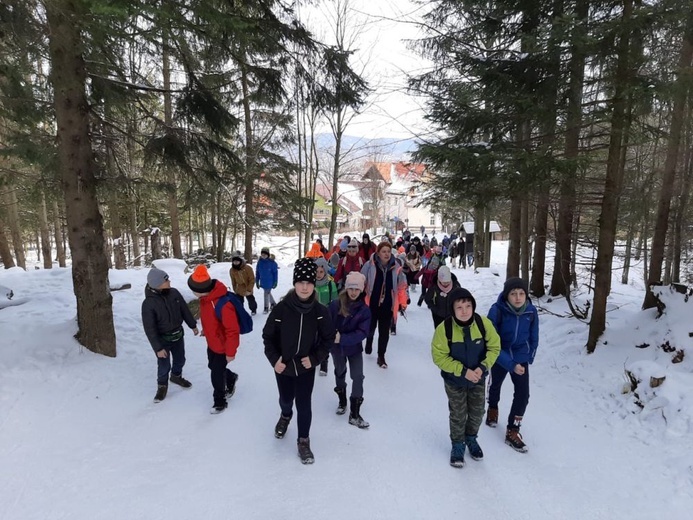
(326, 291)
(465, 347)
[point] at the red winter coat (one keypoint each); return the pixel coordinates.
(223, 337)
(366, 250)
(346, 265)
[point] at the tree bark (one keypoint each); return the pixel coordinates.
(561, 279)
(249, 169)
(525, 251)
(58, 234)
(681, 213)
(514, 235)
(77, 166)
(172, 188)
(612, 183)
(14, 225)
(540, 228)
(681, 92)
(45, 234)
(5, 251)
(134, 234)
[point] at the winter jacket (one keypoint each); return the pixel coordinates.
(399, 282)
(427, 276)
(164, 313)
(519, 332)
(353, 329)
(223, 336)
(243, 279)
(296, 329)
(437, 300)
(266, 273)
(346, 265)
(467, 351)
(366, 250)
(315, 251)
(326, 291)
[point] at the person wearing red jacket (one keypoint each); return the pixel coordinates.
(223, 336)
(351, 262)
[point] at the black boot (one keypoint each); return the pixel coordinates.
(355, 415)
(341, 407)
(369, 345)
(161, 391)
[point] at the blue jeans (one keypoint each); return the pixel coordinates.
(175, 350)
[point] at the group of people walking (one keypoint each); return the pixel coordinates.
(322, 317)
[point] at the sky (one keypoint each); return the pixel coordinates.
(380, 30)
(81, 439)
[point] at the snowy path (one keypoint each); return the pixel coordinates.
(81, 439)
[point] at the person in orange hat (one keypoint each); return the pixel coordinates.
(222, 335)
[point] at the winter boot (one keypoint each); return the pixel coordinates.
(161, 391)
(304, 451)
(457, 455)
(492, 417)
(266, 311)
(381, 361)
(282, 426)
(369, 345)
(355, 415)
(180, 381)
(323, 368)
(341, 407)
(475, 451)
(231, 385)
(219, 406)
(513, 437)
(393, 329)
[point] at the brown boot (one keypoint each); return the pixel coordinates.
(492, 417)
(514, 440)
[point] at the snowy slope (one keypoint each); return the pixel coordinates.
(80, 437)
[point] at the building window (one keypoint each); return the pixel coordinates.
(433, 220)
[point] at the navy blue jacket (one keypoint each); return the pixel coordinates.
(519, 332)
(353, 329)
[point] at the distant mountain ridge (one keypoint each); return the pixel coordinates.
(382, 148)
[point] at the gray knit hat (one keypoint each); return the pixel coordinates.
(156, 278)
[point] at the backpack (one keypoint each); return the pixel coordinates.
(448, 328)
(245, 321)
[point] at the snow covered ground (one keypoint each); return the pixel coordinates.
(80, 437)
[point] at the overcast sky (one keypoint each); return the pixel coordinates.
(383, 26)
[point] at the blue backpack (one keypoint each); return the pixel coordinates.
(245, 321)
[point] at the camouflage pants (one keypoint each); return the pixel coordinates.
(466, 407)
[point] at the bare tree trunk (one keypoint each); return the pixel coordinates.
(525, 252)
(612, 183)
(45, 234)
(134, 233)
(560, 281)
(172, 188)
(5, 252)
(249, 169)
(77, 167)
(335, 177)
(628, 252)
(58, 234)
(514, 236)
(14, 225)
(681, 92)
(681, 210)
(540, 231)
(155, 237)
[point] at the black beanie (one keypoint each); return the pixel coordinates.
(460, 293)
(305, 270)
(514, 283)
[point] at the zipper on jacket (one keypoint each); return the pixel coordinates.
(298, 346)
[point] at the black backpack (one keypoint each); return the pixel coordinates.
(448, 328)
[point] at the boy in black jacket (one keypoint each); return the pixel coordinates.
(163, 313)
(298, 335)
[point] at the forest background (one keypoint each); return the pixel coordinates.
(125, 121)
